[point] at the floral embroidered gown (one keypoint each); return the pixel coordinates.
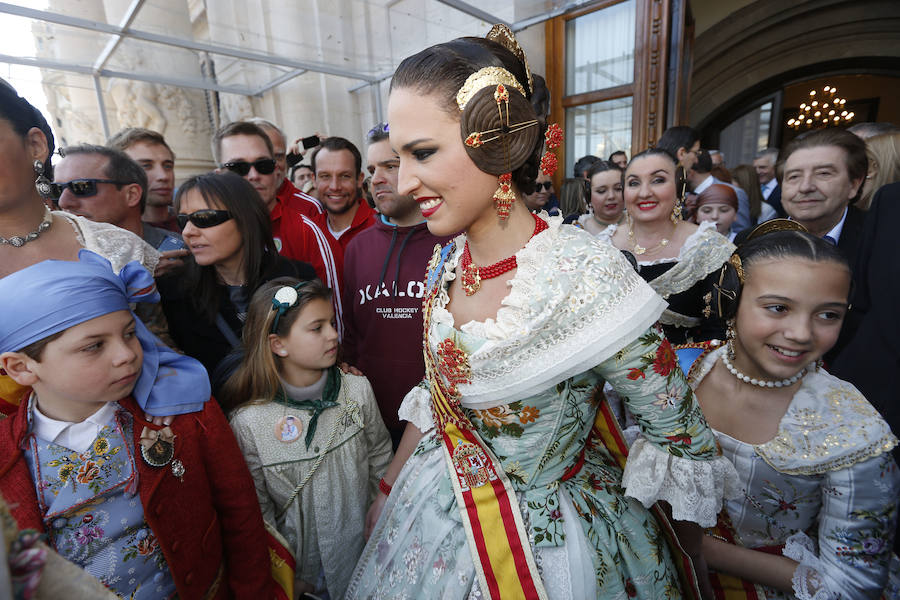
(825, 488)
(576, 314)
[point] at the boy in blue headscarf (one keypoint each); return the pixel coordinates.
(149, 511)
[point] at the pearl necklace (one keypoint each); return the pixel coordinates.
(761, 382)
(17, 241)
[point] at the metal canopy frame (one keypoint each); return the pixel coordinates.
(124, 30)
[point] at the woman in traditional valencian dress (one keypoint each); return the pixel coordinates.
(506, 493)
(675, 257)
(818, 507)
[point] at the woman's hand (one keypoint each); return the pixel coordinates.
(346, 368)
(170, 260)
(374, 513)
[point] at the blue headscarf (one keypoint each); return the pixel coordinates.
(54, 295)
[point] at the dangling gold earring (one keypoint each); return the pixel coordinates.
(730, 337)
(504, 196)
(679, 200)
(676, 213)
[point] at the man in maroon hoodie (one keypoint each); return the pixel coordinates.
(384, 269)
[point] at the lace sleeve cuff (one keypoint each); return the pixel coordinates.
(416, 408)
(695, 489)
(808, 581)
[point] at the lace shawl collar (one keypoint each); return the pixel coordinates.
(829, 425)
(573, 302)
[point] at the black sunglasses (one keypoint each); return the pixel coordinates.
(208, 217)
(546, 185)
(263, 166)
(82, 188)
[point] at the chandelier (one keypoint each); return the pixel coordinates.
(822, 110)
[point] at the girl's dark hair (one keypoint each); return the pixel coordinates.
(745, 177)
(234, 194)
(443, 69)
(257, 378)
(604, 165)
(23, 116)
(779, 244)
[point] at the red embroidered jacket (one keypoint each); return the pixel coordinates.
(209, 525)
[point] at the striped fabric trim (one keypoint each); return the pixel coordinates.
(332, 273)
(307, 198)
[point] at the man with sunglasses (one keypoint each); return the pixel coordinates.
(105, 185)
(287, 193)
(244, 148)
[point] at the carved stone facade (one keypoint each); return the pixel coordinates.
(363, 37)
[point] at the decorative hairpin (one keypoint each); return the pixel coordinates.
(554, 138)
(285, 298)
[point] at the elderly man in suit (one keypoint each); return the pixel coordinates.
(764, 163)
(821, 178)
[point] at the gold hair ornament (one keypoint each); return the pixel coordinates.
(504, 36)
(774, 226)
(486, 77)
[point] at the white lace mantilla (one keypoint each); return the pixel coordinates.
(115, 244)
(695, 489)
(574, 302)
(702, 252)
(829, 425)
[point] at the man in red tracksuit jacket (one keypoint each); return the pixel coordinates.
(384, 269)
(244, 148)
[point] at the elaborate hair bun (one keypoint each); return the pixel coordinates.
(516, 142)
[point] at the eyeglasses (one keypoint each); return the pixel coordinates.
(208, 217)
(545, 185)
(82, 188)
(263, 166)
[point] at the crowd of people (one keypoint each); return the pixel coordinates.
(418, 372)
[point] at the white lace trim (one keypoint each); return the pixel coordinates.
(809, 580)
(573, 303)
(829, 425)
(116, 245)
(689, 242)
(416, 408)
(695, 489)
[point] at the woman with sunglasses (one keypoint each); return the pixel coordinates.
(29, 231)
(227, 230)
(543, 197)
(677, 258)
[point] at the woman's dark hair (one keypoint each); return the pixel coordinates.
(234, 194)
(779, 244)
(657, 151)
(23, 116)
(602, 166)
(443, 69)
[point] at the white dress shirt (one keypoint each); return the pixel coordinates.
(767, 188)
(834, 236)
(75, 436)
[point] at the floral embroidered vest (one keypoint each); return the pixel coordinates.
(93, 515)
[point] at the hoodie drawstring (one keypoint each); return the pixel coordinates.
(412, 230)
(387, 258)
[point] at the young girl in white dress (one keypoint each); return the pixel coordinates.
(819, 505)
(312, 436)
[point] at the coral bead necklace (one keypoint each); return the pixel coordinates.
(472, 274)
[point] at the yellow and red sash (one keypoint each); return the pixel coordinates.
(501, 550)
(283, 563)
